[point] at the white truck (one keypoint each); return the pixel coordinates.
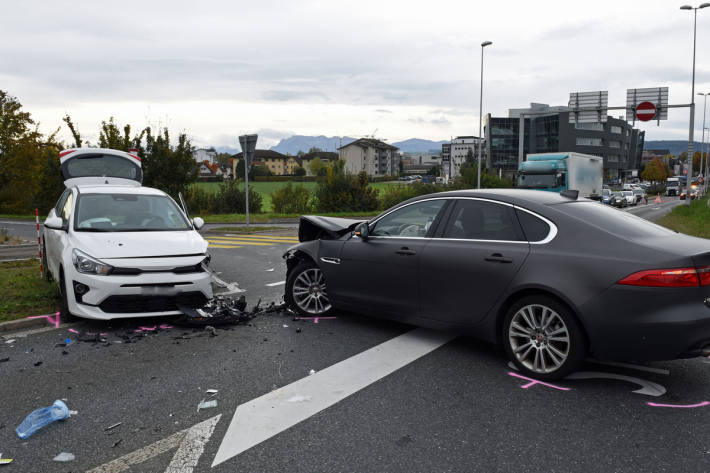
(560, 171)
(673, 186)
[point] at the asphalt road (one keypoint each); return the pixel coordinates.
(454, 408)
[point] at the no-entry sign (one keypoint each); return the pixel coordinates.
(645, 111)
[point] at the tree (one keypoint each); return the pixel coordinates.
(223, 158)
(168, 168)
(14, 123)
(299, 171)
(315, 149)
(74, 130)
(655, 171)
(434, 170)
(315, 166)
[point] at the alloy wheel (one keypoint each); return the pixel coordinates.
(539, 338)
(309, 292)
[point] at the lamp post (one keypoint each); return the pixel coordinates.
(689, 178)
(703, 158)
(480, 115)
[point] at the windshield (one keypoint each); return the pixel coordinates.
(128, 213)
(537, 180)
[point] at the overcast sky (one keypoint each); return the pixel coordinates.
(216, 69)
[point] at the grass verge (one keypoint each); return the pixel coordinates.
(24, 293)
(17, 217)
(693, 220)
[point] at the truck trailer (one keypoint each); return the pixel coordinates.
(556, 172)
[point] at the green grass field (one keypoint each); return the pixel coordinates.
(693, 220)
(266, 188)
(24, 292)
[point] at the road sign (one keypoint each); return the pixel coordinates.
(658, 96)
(248, 144)
(645, 111)
(588, 107)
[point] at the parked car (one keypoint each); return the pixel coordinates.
(117, 249)
(618, 200)
(549, 277)
(630, 197)
(693, 194)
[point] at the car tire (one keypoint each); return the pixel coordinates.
(46, 274)
(543, 339)
(306, 290)
(65, 314)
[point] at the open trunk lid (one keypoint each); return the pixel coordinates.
(96, 166)
(313, 227)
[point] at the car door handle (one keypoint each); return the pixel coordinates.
(497, 257)
(405, 251)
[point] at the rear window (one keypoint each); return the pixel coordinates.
(106, 165)
(614, 221)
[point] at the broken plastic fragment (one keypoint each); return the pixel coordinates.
(64, 457)
(5, 461)
(113, 426)
(312, 372)
(212, 392)
(206, 405)
(12, 340)
(42, 417)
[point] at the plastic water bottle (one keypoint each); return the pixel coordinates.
(42, 417)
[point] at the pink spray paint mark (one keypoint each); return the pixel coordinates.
(533, 382)
(49, 318)
(165, 326)
(138, 330)
(315, 319)
(682, 406)
(148, 328)
(73, 331)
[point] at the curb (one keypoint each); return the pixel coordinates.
(24, 245)
(20, 324)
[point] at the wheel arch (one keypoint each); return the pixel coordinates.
(533, 291)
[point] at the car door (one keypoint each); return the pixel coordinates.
(380, 273)
(52, 237)
(471, 260)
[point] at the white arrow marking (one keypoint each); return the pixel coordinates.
(189, 442)
(272, 413)
(648, 388)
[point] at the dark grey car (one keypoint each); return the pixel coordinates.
(551, 278)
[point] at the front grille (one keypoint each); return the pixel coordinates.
(195, 268)
(132, 304)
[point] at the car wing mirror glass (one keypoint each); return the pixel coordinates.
(362, 230)
(55, 223)
(198, 223)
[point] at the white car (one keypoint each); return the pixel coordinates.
(630, 197)
(117, 249)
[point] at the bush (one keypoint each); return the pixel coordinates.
(291, 200)
(469, 179)
(393, 195)
(230, 199)
(340, 192)
(199, 201)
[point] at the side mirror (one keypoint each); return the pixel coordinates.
(198, 223)
(55, 223)
(362, 230)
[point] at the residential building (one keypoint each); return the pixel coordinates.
(279, 164)
(208, 170)
(460, 149)
(205, 154)
(445, 159)
(547, 130)
(326, 157)
(375, 157)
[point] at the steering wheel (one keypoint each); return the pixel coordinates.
(408, 227)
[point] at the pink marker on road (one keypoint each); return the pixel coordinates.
(49, 318)
(533, 382)
(682, 406)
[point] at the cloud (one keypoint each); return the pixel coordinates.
(383, 110)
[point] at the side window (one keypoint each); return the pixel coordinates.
(66, 209)
(534, 228)
(414, 220)
(482, 220)
(60, 202)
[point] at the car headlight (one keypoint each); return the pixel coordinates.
(88, 265)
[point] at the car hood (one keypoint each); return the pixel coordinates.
(139, 244)
(313, 227)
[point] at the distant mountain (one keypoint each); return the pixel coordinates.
(227, 149)
(676, 147)
(296, 143)
(417, 145)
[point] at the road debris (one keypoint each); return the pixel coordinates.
(212, 392)
(224, 311)
(5, 461)
(3, 360)
(64, 457)
(206, 405)
(42, 417)
(312, 372)
(12, 340)
(113, 426)
(38, 363)
(115, 444)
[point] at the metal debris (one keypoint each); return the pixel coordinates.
(223, 311)
(113, 426)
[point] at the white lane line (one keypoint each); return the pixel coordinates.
(262, 418)
(189, 442)
(191, 448)
(276, 283)
(631, 366)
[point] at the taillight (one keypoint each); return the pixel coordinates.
(674, 277)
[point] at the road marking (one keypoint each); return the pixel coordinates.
(189, 442)
(262, 418)
(238, 242)
(632, 366)
(648, 388)
(212, 245)
(257, 237)
(276, 284)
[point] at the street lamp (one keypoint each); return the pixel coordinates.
(689, 178)
(480, 115)
(703, 158)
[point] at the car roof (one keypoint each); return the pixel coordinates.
(507, 195)
(94, 189)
